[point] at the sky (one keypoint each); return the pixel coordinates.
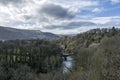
(60, 16)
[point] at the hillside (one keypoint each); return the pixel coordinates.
(87, 39)
(12, 34)
(96, 54)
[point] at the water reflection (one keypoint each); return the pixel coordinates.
(67, 64)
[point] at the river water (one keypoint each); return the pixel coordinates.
(67, 64)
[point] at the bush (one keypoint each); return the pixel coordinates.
(22, 73)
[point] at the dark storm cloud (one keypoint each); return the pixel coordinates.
(71, 25)
(56, 11)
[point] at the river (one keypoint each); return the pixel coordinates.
(67, 64)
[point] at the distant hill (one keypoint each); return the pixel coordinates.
(12, 34)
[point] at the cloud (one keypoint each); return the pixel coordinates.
(111, 23)
(60, 16)
(96, 10)
(115, 1)
(104, 20)
(56, 11)
(13, 2)
(70, 25)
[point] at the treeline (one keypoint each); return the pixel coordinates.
(42, 56)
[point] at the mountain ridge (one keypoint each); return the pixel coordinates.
(7, 33)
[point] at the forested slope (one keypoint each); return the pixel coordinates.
(96, 54)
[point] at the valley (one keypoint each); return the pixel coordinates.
(92, 55)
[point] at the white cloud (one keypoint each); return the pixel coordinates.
(104, 20)
(101, 20)
(96, 10)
